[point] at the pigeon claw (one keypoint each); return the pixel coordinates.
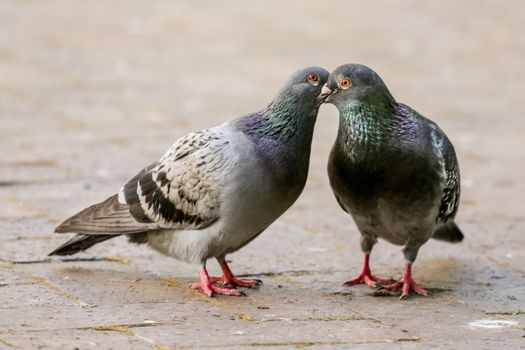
(406, 287)
(407, 284)
(229, 279)
(237, 282)
(368, 279)
(247, 282)
(212, 289)
(366, 276)
(362, 278)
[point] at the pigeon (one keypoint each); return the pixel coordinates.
(214, 190)
(393, 170)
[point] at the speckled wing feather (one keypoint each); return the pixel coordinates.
(450, 173)
(451, 189)
(448, 163)
(180, 191)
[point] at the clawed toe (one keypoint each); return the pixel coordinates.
(212, 289)
(362, 278)
(366, 276)
(225, 284)
(208, 287)
(407, 284)
(237, 282)
(246, 283)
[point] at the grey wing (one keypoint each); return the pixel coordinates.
(181, 191)
(450, 170)
(448, 164)
(107, 217)
(178, 192)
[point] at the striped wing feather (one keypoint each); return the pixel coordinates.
(178, 192)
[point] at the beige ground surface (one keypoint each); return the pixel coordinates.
(92, 91)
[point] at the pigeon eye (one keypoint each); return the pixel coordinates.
(345, 84)
(313, 79)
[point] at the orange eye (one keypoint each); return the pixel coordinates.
(345, 83)
(313, 77)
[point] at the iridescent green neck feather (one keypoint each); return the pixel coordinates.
(285, 119)
(364, 126)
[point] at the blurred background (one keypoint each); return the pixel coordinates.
(91, 92)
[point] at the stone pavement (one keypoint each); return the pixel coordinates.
(90, 92)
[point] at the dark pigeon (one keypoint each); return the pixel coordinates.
(392, 169)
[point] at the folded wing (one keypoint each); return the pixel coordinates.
(180, 191)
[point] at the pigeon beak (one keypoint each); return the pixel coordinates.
(325, 93)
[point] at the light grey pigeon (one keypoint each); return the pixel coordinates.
(214, 190)
(392, 169)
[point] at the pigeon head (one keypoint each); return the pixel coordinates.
(291, 115)
(304, 86)
(351, 83)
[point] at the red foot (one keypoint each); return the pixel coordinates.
(238, 282)
(229, 279)
(366, 276)
(406, 284)
(210, 289)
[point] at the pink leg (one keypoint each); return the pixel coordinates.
(229, 279)
(209, 288)
(366, 276)
(406, 284)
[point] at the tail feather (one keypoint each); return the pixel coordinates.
(99, 223)
(449, 232)
(80, 243)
